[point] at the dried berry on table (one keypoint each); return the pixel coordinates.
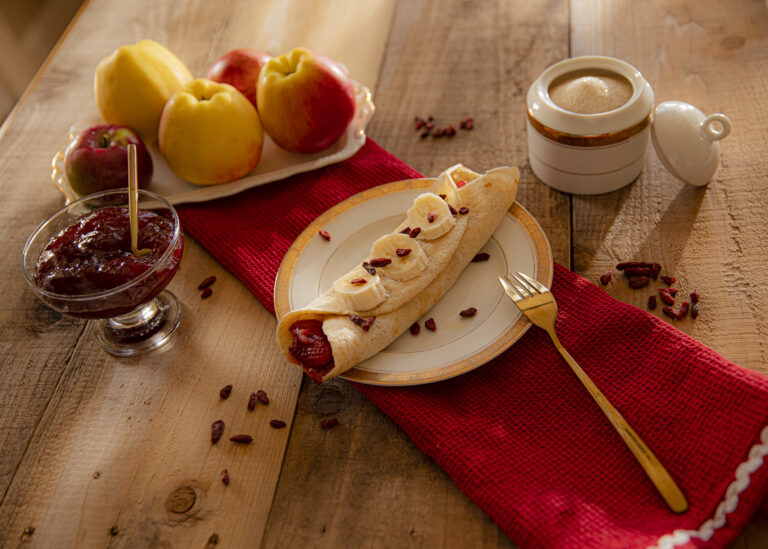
(677, 315)
(225, 477)
(206, 282)
(329, 423)
(252, 402)
(217, 429)
(262, 396)
(415, 328)
(206, 293)
(652, 302)
(241, 439)
(637, 271)
(695, 296)
(429, 324)
(639, 282)
(277, 424)
(694, 310)
(225, 392)
(481, 257)
(325, 235)
(470, 311)
(666, 297)
(606, 278)
(668, 280)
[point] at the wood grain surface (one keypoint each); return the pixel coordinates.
(97, 451)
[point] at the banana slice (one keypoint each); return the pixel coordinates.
(432, 215)
(445, 185)
(360, 289)
(407, 256)
(459, 172)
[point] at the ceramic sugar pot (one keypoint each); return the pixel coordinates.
(591, 118)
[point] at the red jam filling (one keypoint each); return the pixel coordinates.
(94, 254)
(311, 348)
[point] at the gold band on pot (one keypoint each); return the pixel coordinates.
(599, 140)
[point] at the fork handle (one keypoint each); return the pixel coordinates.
(659, 476)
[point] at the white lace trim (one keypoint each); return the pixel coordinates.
(743, 473)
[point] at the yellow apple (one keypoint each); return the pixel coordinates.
(132, 85)
(210, 133)
(306, 100)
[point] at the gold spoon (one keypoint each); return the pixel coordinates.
(133, 202)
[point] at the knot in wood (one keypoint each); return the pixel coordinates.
(181, 500)
(330, 398)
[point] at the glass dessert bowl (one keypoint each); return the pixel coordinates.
(79, 262)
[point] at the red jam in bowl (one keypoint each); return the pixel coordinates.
(311, 348)
(94, 255)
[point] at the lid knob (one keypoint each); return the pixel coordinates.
(687, 141)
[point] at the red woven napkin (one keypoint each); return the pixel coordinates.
(520, 435)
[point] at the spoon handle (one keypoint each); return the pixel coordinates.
(133, 202)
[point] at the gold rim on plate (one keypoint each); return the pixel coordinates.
(544, 272)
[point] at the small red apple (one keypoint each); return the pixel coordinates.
(97, 159)
(240, 68)
(306, 100)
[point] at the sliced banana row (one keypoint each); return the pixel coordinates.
(432, 215)
(360, 289)
(397, 255)
(405, 253)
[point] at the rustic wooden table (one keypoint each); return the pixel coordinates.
(96, 450)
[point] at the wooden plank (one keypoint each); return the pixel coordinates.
(121, 439)
(363, 484)
(710, 238)
(713, 55)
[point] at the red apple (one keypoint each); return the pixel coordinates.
(240, 69)
(305, 100)
(97, 159)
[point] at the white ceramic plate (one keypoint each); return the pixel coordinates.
(275, 163)
(459, 344)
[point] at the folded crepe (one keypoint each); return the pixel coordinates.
(405, 274)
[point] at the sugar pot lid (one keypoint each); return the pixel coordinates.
(687, 141)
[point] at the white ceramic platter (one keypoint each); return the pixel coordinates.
(275, 163)
(459, 344)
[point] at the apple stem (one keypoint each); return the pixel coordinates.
(133, 202)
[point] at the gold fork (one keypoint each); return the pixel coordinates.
(536, 302)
